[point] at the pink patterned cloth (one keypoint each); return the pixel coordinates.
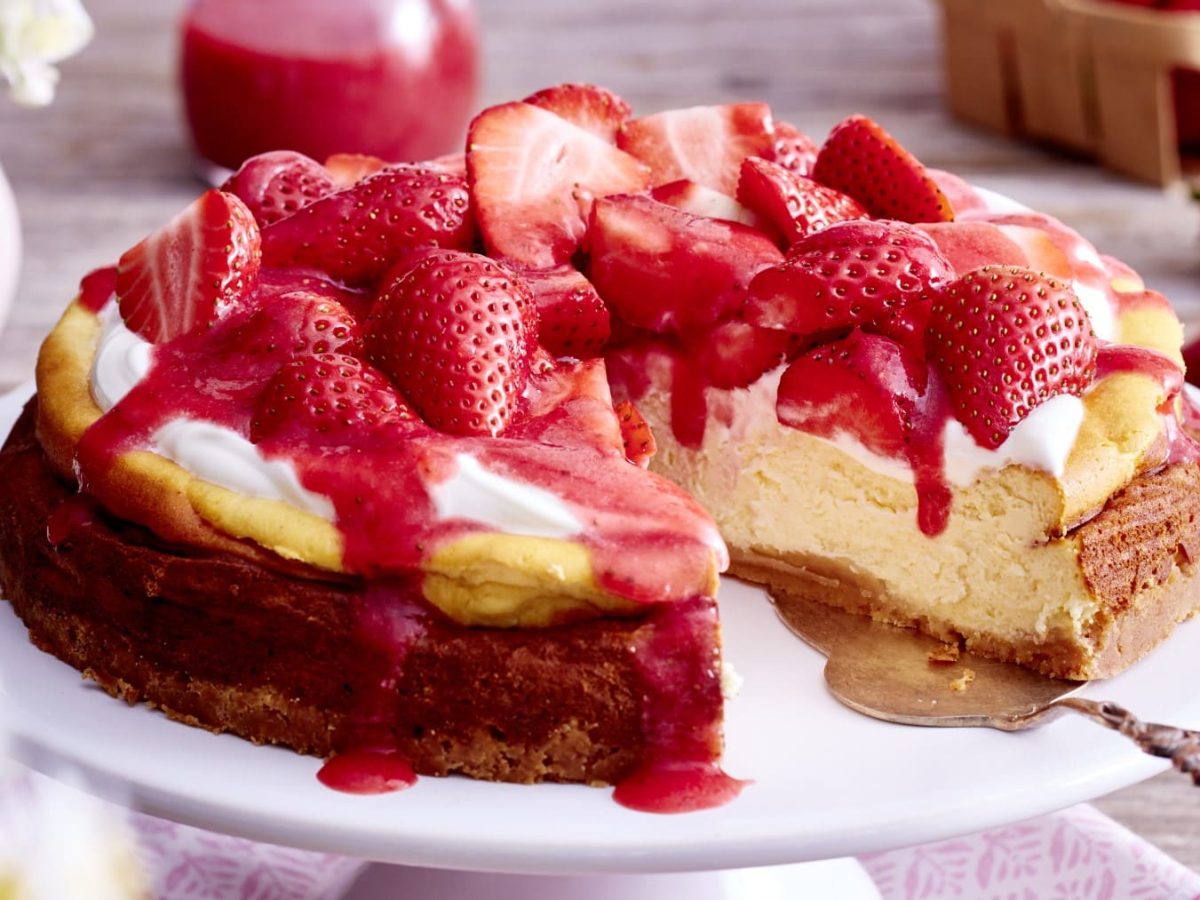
(1069, 855)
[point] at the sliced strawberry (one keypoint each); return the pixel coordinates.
(592, 108)
(348, 169)
(864, 385)
(859, 158)
(669, 271)
(705, 144)
(572, 319)
(455, 332)
(852, 274)
(639, 440)
(796, 206)
(326, 397)
(1005, 340)
(793, 149)
(191, 271)
(533, 178)
(275, 185)
(356, 234)
(736, 354)
(454, 163)
(702, 201)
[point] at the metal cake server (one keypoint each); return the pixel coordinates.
(890, 673)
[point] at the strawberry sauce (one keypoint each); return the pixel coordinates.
(392, 79)
(367, 772)
(683, 685)
(68, 517)
(97, 287)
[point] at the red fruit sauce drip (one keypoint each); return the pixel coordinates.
(677, 657)
(925, 450)
(367, 772)
(68, 517)
(689, 406)
(97, 287)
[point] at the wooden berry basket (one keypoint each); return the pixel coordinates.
(1090, 76)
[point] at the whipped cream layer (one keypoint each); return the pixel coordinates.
(225, 458)
(1042, 440)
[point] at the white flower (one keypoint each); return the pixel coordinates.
(34, 35)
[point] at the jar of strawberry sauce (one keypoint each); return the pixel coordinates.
(391, 78)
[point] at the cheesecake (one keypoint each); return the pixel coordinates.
(924, 402)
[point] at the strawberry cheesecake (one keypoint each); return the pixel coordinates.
(904, 396)
(332, 459)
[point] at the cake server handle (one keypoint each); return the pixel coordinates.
(1180, 745)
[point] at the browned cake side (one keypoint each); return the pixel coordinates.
(230, 644)
(1137, 556)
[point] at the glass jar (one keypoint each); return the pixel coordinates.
(391, 78)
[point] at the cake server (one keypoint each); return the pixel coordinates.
(900, 675)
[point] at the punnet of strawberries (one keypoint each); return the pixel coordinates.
(568, 228)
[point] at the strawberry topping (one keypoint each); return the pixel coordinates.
(796, 206)
(275, 185)
(635, 433)
(793, 149)
(736, 354)
(859, 158)
(572, 319)
(348, 169)
(668, 271)
(356, 234)
(454, 334)
(534, 177)
(881, 393)
(1007, 339)
(705, 144)
(702, 201)
(191, 271)
(880, 275)
(316, 324)
(592, 108)
(326, 396)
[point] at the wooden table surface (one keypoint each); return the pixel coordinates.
(108, 162)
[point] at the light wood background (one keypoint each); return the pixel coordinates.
(108, 162)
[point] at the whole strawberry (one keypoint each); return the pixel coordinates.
(275, 185)
(191, 271)
(877, 275)
(356, 234)
(1005, 340)
(299, 323)
(454, 332)
(859, 158)
(327, 397)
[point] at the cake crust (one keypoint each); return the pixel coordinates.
(295, 657)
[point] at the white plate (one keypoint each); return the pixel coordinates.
(828, 782)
